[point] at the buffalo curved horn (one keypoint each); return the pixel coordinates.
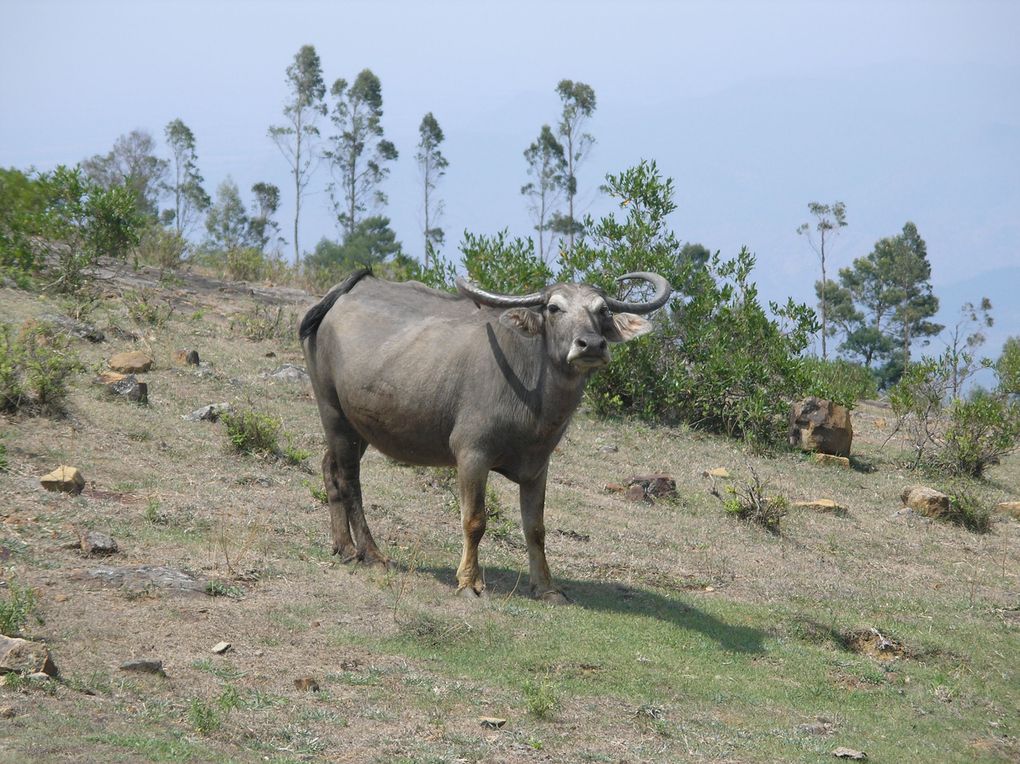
(662, 292)
(482, 297)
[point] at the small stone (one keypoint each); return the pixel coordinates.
(658, 486)
(221, 647)
(39, 676)
(636, 493)
(1011, 508)
(615, 487)
(288, 373)
(129, 387)
(186, 358)
(94, 544)
(831, 461)
(849, 753)
(144, 667)
(209, 413)
(306, 684)
(65, 479)
(609, 448)
(132, 362)
(821, 505)
(491, 722)
(77, 328)
(108, 377)
(21, 656)
(881, 424)
(926, 501)
(717, 472)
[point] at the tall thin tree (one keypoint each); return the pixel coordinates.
(358, 152)
(190, 199)
(296, 138)
(547, 165)
(262, 229)
(829, 218)
(432, 165)
(578, 105)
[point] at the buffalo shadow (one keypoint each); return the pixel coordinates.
(610, 597)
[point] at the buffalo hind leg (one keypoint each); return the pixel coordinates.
(533, 525)
(343, 544)
(471, 478)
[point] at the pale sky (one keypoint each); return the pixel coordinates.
(904, 111)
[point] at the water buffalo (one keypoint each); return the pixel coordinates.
(480, 381)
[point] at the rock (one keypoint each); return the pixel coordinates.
(144, 667)
(94, 544)
(65, 479)
(132, 362)
(1011, 508)
(144, 578)
(39, 676)
(21, 656)
(287, 373)
(129, 387)
(657, 486)
(221, 647)
(186, 358)
(205, 370)
(491, 722)
(614, 487)
(821, 505)
(209, 413)
(108, 377)
(636, 493)
(609, 448)
(849, 753)
(306, 684)
(926, 501)
(77, 328)
(880, 423)
(820, 425)
(821, 726)
(717, 472)
(831, 461)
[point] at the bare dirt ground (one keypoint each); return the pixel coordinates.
(693, 636)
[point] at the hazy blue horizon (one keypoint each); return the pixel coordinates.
(905, 111)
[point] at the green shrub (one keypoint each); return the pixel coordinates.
(203, 717)
(750, 503)
(144, 308)
(251, 432)
(35, 366)
(541, 698)
(162, 247)
(262, 322)
(15, 608)
(967, 510)
(840, 381)
(502, 265)
(962, 436)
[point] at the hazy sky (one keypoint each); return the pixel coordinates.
(904, 111)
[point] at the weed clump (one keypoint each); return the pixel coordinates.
(36, 364)
(144, 308)
(16, 608)
(541, 698)
(749, 502)
(251, 432)
(263, 323)
(203, 716)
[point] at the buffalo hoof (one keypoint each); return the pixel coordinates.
(347, 553)
(555, 598)
(470, 593)
(375, 560)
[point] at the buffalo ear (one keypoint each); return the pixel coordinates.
(627, 326)
(524, 320)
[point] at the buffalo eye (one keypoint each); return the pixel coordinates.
(552, 308)
(604, 311)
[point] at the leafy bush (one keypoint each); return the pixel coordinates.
(502, 265)
(251, 432)
(164, 248)
(144, 308)
(958, 436)
(840, 381)
(749, 502)
(35, 365)
(719, 361)
(967, 510)
(263, 323)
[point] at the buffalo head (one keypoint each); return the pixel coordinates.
(578, 321)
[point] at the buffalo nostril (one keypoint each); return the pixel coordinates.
(602, 344)
(581, 344)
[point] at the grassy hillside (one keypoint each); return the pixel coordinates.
(692, 636)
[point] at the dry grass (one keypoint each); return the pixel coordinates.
(693, 637)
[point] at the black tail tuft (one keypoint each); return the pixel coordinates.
(312, 319)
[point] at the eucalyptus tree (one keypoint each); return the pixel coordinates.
(358, 153)
(829, 219)
(547, 166)
(262, 228)
(131, 163)
(432, 165)
(578, 101)
(296, 138)
(190, 199)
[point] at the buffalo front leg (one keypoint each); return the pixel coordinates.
(471, 479)
(533, 525)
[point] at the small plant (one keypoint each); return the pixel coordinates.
(839, 381)
(294, 455)
(541, 698)
(35, 366)
(144, 308)
(251, 432)
(497, 524)
(967, 510)
(263, 323)
(749, 503)
(217, 588)
(16, 608)
(318, 492)
(4, 461)
(153, 515)
(202, 716)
